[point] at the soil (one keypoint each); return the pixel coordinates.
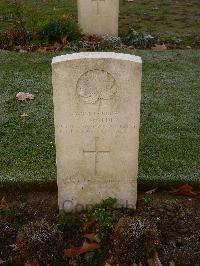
(177, 218)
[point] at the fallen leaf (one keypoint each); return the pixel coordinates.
(93, 237)
(41, 49)
(112, 261)
(83, 49)
(64, 40)
(159, 47)
(57, 46)
(22, 96)
(149, 192)
(154, 261)
(93, 47)
(18, 47)
(2, 261)
(75, 251)
(185, 190)
(24, 115)
(22, 51)
(118, 226)
(89, 223)
(4, 203)
(32, 263)
(56, 8)
(14, 247)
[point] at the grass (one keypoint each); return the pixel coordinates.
(34, 11)
(160, 17)
(170, 117)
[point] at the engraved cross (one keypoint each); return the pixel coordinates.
(96, 152)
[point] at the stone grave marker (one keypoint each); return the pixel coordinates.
(98, 17)
(97, 118)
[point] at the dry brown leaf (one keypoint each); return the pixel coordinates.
(154, 261)
(86, 38)
(64, 40)
(4, 203)
(41, 49)
(118, 226)
(149, 192)
(2, 261)
(112, 261)
(185, 190)
(83, 49)
(93, 47)
(56, 8)
(159, 47)
(89, 223)
(22, 96)
(75, 251)
(93, 237)
(56, 46)
(32, 263)
(24, 115)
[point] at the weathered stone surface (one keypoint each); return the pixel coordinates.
(98, 17)
(97, 117)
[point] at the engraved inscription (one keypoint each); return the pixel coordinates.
(96, 85)
(104, 125)
(96, 151)
(92, 179)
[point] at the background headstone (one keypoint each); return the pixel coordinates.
(98, 17)
(97, 117)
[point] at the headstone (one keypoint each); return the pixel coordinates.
(98, 17)
(97, 117)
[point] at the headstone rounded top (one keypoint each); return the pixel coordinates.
(96, 55)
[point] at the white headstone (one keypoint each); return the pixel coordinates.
(97, 117)
(98, 17)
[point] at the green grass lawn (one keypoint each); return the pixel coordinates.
(153, 16)
(170, 117)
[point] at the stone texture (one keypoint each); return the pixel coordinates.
(98, 17)
(97, 117)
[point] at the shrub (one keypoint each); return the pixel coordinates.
(64, 223)
(103, 212)
(110, 42)
(140, 39)
(25, 27)
(135, 239)
(58, 28)
(18, 33)
(40, 241)
(31, 27)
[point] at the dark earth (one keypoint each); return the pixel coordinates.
(177, 219)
